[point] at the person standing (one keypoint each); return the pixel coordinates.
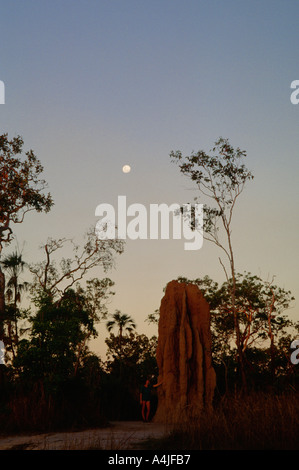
(145, 399)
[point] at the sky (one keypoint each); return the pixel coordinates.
(94, 85)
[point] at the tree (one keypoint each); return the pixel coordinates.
(260, 307)
(220, 178)
(54, 372)
(64, 307)
(134, 349)
(13, 265)
(21, 191)
(122, 321)
(131, 359)
(56, 334)
(153, 317)
(54, 279)
(96, 295)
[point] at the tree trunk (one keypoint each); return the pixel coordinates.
(239, 348)
(236, 320)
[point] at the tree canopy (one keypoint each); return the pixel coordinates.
(220, 178)
(22, 189)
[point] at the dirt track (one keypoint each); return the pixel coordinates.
(119, 435)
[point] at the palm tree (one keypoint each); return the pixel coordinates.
(14, 265)
(121, 320)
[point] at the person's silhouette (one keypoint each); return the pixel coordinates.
(145, 399)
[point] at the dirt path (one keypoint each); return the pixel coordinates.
(119, 436)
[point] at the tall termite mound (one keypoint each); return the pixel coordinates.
(184, 354)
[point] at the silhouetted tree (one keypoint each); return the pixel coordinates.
(260, 307)
(54, 279)
(21, 191)
(13, 265)
(130, 360)
(122, 321)
(220, 178)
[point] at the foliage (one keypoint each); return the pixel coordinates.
(261, 310)
(58, 333)
(133, 350)
(54, 278)
(122, 321)
(131, 359)
(220, 178)
(21, 191)
(13, 265)
(53, 366)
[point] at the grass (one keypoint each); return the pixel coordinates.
(259, 421)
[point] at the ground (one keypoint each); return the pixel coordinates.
(120, 435)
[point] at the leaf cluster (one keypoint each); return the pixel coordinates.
(21, 188)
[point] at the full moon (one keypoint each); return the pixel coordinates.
(126, 168)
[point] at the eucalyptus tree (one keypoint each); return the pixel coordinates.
(262, 313)
(56, 273)
(220, 179)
